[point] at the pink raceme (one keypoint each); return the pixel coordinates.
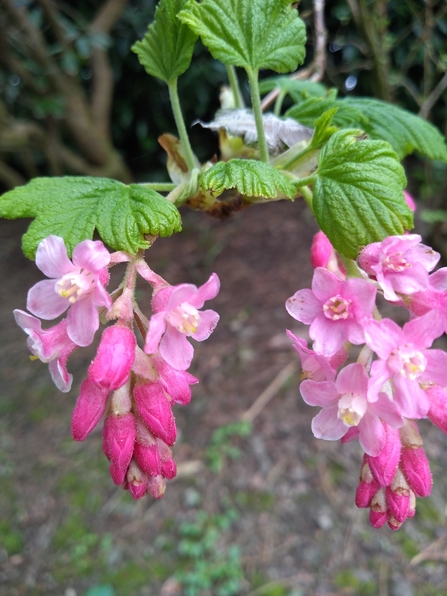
(77, 286)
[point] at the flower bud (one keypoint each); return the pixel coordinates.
(416, 468)
(148, 459)
(367, 487)
(136, 481)
(155, 409)
(384, 466)
(89, 408)
(119, 439)
(378, 515)
(111, 367)
(398, 497)
(156, 487)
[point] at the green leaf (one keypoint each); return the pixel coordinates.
(73, 207)
(323, 129)
(357, 195)
(252, 34)
(166, 49)
(307, 112)
(298, 90)
(250, 177)
(404, 131)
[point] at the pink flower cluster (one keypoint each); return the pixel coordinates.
(398, 377)
(134, 388)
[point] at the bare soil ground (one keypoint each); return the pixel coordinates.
(64, 526)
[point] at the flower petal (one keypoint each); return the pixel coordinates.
(326, 425)
(303, 306)
(207, 324)
(91, 255)
(44, 302)
(207, 291)
(83, 322)
(52, 258)
(176, 349)
(157, 326)
(322, 394)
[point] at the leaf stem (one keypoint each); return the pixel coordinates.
(297, 157)
(307, 196)
(278, 103)
(180, 123)
(304, 181)
(159, 186)
(235, 88)
(256, 105)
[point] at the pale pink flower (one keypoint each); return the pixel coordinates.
(334, 309)
(404, 358)
(345, 405)
(316, 367)
(77, 286)
(52, 346)
(410, 201)
(399, 264)
(177, 316)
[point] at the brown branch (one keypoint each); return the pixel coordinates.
(430, 101)
(53, 18)
(315, 70)
(102, 92)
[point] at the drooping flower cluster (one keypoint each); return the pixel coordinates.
(398, 377)
(135, 388)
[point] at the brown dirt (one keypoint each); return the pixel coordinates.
(298, 525)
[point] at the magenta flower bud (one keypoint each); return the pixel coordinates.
(438, 406)
(89, 408)
(416, 468)
(378, 515)
(321, 250)
(156, 487)
(169, 469)
(412, 505)
(398, 497)
(118, 475)
(119, 439)
(116, 352)
(394, 524)
(136, 481)
(122, 308)
(148, 459)
(155, 409)
(384, 466)
(367, 487)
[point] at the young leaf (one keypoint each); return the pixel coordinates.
(166, 49)
(250, 177)
(404, 131)
(323, 129)
(74, 207)
(357, 195)
(298, 90)
(252, 34)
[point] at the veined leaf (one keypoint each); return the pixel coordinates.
(357, 195)
(404, 131)
(252, 34)
(73, 207)
(166, 49)
(323, 128)
(307, 112)
(250, 177)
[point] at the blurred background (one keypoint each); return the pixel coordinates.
(259, 506)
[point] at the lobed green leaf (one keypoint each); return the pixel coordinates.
(252, 34)
(73, 207)
(298, 90)
(166, 49)
(250, 177)
(357, 195)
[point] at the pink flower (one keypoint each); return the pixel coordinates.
(316, 367)
(345, 405)
(177, 316)
(49, 345)
(334, 309)
(77, 285)
(405, 360)
(399, 263)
